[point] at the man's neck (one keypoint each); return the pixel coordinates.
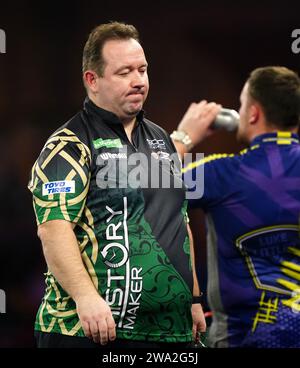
(129, 126)
(272, 129)
(128, 123)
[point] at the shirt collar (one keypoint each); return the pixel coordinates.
(276, 138)
(108, 116)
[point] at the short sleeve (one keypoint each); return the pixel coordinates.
(207, 180)
(60, 178)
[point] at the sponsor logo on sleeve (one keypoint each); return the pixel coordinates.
(63, 186)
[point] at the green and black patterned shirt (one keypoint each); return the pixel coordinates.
(132, 238)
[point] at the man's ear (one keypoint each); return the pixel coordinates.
(254, 113)
(90, 79)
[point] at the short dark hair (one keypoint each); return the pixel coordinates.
(277, 89)
(92, 53)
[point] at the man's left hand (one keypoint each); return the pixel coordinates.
(199, 323)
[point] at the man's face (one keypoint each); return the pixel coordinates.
(124, 86)
(243, 128)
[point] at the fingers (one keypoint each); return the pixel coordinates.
(101, 331)
(111, 329)
(208, 111)
(203, 327)
(95, 331)
(196, 334)
(86, 329)
(201, 105)
(96, 319)
(107, 330)
(102, 328)
(195, 331)
(196, 108)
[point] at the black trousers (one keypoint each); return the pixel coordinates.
(55, 340)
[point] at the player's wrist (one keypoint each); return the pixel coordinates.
(182, 137)
(197, 299)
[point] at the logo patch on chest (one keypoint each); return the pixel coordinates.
(157, 144)
(107, 143)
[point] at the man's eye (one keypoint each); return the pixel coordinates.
(124, 73)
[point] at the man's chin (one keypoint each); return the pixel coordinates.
(129, 115)
(134, 111)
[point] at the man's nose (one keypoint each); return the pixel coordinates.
(138, 80)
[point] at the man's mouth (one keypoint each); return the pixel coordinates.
(135, 93)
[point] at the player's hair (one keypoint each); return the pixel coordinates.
(277, 89)
(92, 53)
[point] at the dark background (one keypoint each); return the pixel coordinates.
(195, 50)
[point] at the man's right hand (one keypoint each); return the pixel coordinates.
(96, 318)
(197, 120)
